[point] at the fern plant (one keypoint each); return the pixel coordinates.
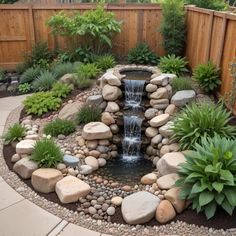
(207, 178)
(198, 120)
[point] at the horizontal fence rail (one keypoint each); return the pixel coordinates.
(211, 35)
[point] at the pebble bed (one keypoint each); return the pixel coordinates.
(99, 205)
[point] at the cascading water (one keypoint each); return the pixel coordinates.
(132, 123)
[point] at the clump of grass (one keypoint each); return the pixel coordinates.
(30, 75)
(46, 153)
(83, 83)
(58, 126)
(14, 133)
(88, 114)
(181, 83)
(44, 81)
(61, 69)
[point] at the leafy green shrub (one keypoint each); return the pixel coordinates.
(39, 56)
(46, 153)
(24, 88)
(173, 64)
(198, 120)
(142, 54)
(7, 1)
(41, 102)
(44, 81)
(2, 75)
(96, 26)
(181, 83)
(208, 76)
(88, 114)
(56, 127)
(173, 27)
(60, 69)
(207, 178)
(30, 75)
(61, 90)
(217, 5)
(105, 62)
(83, 83)
(14, 133)
(88, 71)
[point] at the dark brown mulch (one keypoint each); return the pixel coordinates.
(221, 220)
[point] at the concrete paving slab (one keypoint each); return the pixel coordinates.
(10, 103)
(72, 229)
(1, 179)
(26, 219)
(3, 116)
(8, 196)
(58, 228)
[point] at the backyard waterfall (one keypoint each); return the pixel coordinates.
(132, 123)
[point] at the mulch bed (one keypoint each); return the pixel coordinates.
(221, 220)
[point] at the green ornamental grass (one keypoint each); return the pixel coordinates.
(14, 133)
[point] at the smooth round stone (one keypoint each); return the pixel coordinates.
(117, 200)
(92, 210)
(150, 88)
(159, 120)
(86, 169)
(101, 162)
(111, 211)
(71, 160)
(15, 158)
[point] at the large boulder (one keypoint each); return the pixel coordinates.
(25, 167)
(94, 100)
(165, 212)
(183, 97)
(70, 110)
(161, 80)
(167, 181)
(96, 130)
(139, 208)
(160, 120)
(111, 93)
(68, 79)
(169, 163)
(70, 189)
(25, 146)
(44, 179)
(111, 79)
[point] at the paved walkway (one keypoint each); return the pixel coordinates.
(20, 217)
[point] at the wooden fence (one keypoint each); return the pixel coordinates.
(211, 35)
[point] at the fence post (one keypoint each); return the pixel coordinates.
(31, 25)
(210, 28)
(221, 49)
(140, 26)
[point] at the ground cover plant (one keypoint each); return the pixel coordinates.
(173, 27)
(14, 133)
(24, 88)
(201, 120)
(181, 83)
(46, 153)
(207, 178)
(41, 102)
(56, 127)
(173, 64)
(88, 114)
(96, 26)
(208, 76)
(142, 54)
(61, 90)
(83, 83)
(88, 71)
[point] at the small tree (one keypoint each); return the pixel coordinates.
(173, 27)
(209, 4)
(97, 27)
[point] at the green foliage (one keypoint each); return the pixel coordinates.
(88, 114)
(2, 75)
(105, 62)
(40, 56)
(208, 177)
(218, 5)
(60, 69)
(173, 27)
(14, 133)
(181, 83)
(7, 1)
(56, 127)
(81, 54)
(44, 81)
(30, 75)
(198, 120)
(41, 102)
(24, 88)
(173, 64)
(142, 54)
(96, 26)
(208, 76)
(46, 153)
(83, 83)
(88, 71)
(61, 90)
